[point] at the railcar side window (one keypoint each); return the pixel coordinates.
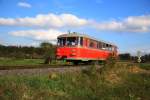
(103, 46)
(91, 44)
(107, 46)
(81, 41)
(100, 45)
(110, 48)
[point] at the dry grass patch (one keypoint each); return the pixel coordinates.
(136, 69)
(114, 75)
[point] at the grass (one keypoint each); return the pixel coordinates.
(14, 62)
(10, 63)
(145, 66)
(17, 62)
(120, 82)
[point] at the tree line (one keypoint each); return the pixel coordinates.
(44, 50)
(129, 57)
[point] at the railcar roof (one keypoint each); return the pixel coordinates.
(74, 34)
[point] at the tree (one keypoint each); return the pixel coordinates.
(45, 50)
(48, 49)
(125, 56)
(46, 45)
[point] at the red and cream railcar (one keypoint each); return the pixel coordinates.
(74, 47)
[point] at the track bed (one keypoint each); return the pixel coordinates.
(30, 70)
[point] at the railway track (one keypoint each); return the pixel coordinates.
(11, 67)
(39, 70)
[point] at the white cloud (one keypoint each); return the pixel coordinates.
(49, 20)
(129, 24)
(133, 24)
(108, 26)
(42, 35)
(24, 4)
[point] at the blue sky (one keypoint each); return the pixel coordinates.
(123, 22)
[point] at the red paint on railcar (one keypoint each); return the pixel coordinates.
(81, 53)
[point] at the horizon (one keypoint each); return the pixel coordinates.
(28, 23)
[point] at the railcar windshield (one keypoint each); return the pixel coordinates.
(67, 41)
(72, 41)
(61, 41)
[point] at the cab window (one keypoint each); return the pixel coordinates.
(61, 41)
(72, 41)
